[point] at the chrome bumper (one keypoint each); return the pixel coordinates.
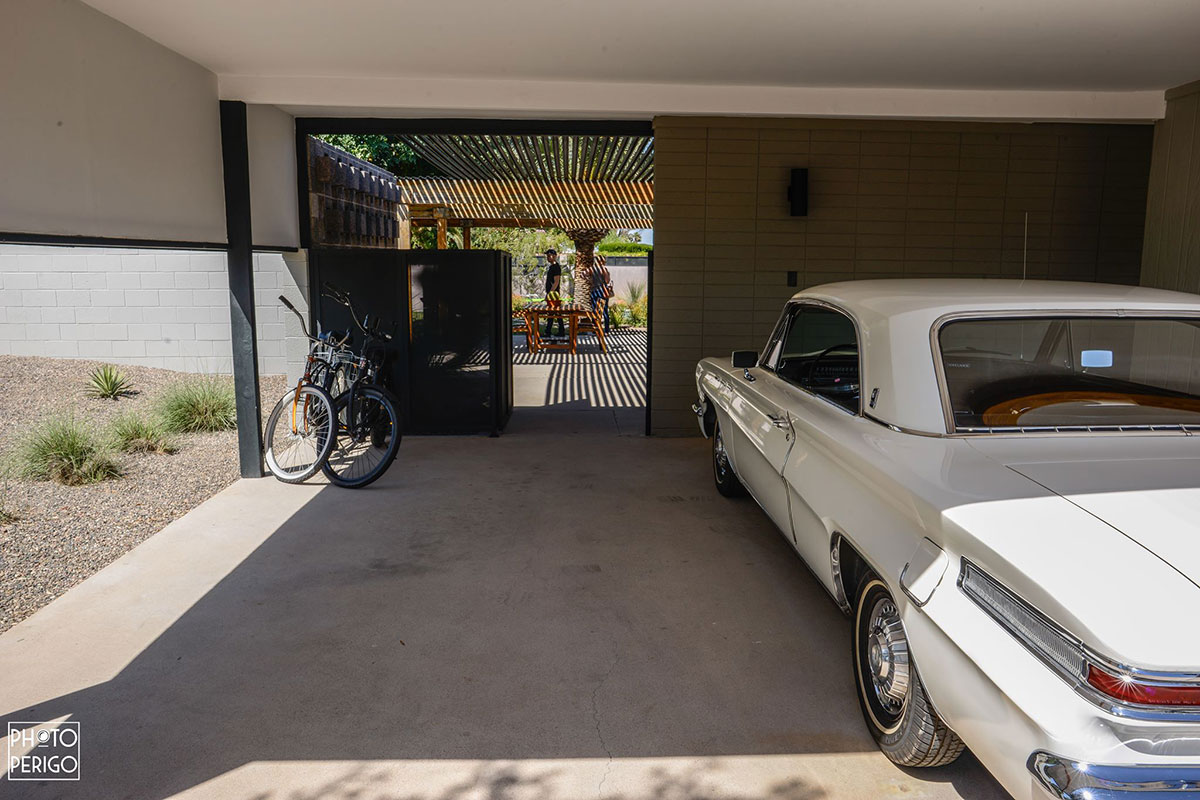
(1081, 780)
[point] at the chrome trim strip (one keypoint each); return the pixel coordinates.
(1066, 779)
(969, 433)
(835, 565)
(1154, 713)
(939, 370)
(909, 594)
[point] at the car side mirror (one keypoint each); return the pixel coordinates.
(745, 359)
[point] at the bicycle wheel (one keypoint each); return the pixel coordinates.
(330, 377)
(300, 434)
(368, 436)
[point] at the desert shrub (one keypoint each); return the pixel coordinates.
(636, 305)
(63, 449)
(618, 313)
(199, 405)
(109, 383)
(7, 513)
(634, 293)
(132, 433)
(639, 313)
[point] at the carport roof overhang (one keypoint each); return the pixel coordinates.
(1020, 59)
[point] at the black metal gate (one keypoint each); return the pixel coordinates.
(450, 361)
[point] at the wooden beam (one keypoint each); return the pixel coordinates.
(525, 203)
(441, 233)
(466, 230)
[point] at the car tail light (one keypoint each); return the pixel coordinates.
(1122, 691)
(1130, 689)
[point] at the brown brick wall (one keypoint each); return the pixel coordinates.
(886, 199)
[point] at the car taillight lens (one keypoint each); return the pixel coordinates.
(1128, 689)
(1030, 626)
(1094, 676)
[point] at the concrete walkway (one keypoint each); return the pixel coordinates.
(557, 613)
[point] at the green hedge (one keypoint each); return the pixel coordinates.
(634, 249)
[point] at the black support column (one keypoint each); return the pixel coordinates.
(236, 158)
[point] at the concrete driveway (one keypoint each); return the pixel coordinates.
(558, 613)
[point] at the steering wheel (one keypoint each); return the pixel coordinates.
(812, 366)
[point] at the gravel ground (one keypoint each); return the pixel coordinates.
(64, 534)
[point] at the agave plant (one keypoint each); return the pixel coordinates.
(109, 383)
(635, 292)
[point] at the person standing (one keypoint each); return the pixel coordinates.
(602, 288)
(554, 289)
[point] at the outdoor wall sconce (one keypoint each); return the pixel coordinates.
(798, 192)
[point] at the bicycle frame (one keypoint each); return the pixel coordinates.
(335, 346)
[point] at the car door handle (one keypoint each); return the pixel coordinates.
(780, 422)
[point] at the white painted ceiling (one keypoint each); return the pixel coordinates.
(1077, 45)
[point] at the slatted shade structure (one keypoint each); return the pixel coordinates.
(548, 158)
(497, 203)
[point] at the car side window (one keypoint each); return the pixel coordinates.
(819, 353)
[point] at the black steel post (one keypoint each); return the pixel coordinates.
(649, 334)
(236, 158)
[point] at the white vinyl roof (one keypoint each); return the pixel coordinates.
(896, 318)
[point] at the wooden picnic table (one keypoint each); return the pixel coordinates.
(572, 313)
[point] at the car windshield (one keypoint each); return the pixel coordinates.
(1072, 372)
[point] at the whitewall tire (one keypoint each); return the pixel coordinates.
(893, 700)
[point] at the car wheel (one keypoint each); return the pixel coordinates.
(727, 482)
(894, 703)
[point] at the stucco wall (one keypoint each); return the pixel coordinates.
(271, 137)
(1171, 255)
(886, 199)
(155, 308)
(105, 132)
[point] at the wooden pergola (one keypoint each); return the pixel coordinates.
(584, 185)
(531, 181)
(569, 205)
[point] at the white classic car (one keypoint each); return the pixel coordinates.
(999, 482)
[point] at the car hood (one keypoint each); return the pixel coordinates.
(1155, 502)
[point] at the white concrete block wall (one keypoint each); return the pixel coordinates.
(155, 308)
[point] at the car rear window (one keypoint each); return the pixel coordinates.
(1102, 372)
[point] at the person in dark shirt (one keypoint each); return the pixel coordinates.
(554, 289)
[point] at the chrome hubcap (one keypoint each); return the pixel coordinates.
(722, 458)
(887, 655)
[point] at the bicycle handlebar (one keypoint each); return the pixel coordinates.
(299, 316)
(343, 297)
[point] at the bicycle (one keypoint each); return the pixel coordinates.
(366, 412)
(301, 429)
